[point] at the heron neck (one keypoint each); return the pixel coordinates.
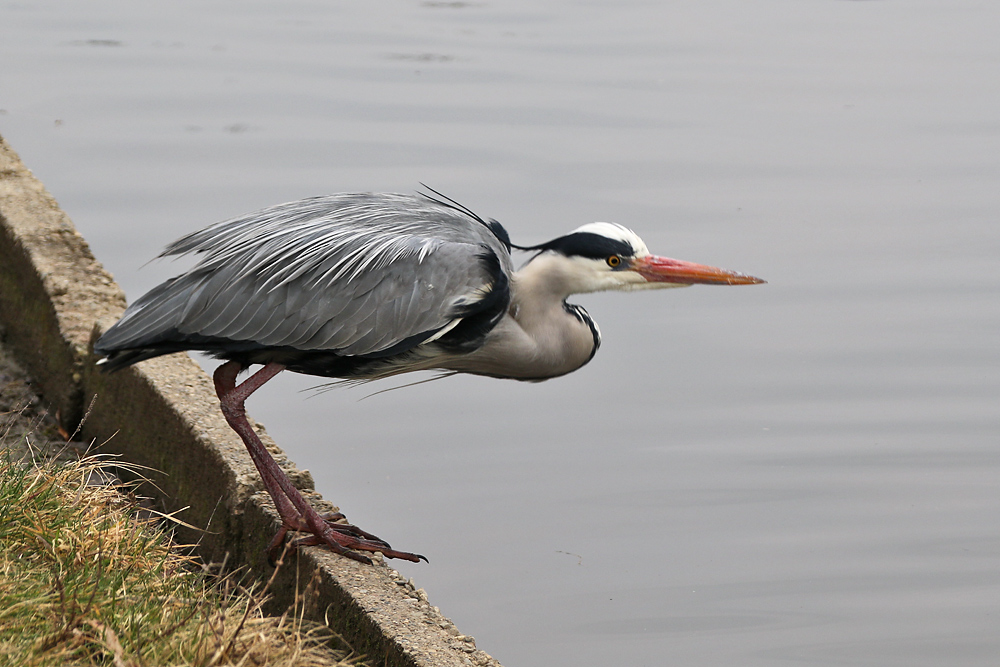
(540, 336)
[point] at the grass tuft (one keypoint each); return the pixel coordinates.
(84, 582)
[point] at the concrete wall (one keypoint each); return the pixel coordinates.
(55, 299)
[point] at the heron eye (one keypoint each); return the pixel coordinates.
(614, 261)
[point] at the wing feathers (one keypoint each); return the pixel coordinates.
(351, 274)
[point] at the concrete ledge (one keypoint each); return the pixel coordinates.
(51, 287)
(55, 298)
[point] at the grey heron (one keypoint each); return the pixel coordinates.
(367, 286)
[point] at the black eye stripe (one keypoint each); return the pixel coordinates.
(586, 244)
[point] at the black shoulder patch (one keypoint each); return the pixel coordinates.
(480, 316)
(499, 232)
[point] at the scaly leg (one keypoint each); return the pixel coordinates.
(295, 511)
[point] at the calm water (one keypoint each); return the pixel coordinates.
(802, 473)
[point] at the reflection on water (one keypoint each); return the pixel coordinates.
(798, 473)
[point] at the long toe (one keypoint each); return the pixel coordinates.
(342, 538)
(332, 537)
(338, 522)
(351, 529)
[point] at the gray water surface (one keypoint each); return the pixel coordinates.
(799, 473)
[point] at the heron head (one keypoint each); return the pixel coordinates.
(602, 256)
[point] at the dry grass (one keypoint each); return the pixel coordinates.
(84, 582)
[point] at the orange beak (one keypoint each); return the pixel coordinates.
(665, 270)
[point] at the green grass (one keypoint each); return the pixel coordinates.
(84, 582)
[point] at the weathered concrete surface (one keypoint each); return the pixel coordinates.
(51, 287)
(27, 430)
(163, 414)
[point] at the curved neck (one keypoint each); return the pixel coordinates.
(540, 336)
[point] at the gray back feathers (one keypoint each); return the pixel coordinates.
(356, 274)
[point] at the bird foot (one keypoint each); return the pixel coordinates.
(343, 538)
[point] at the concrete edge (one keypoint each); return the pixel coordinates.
(55, 298)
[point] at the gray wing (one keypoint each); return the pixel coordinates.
(357, 274)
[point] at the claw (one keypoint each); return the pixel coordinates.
(342, 538)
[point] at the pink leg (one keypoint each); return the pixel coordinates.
(295, 511)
